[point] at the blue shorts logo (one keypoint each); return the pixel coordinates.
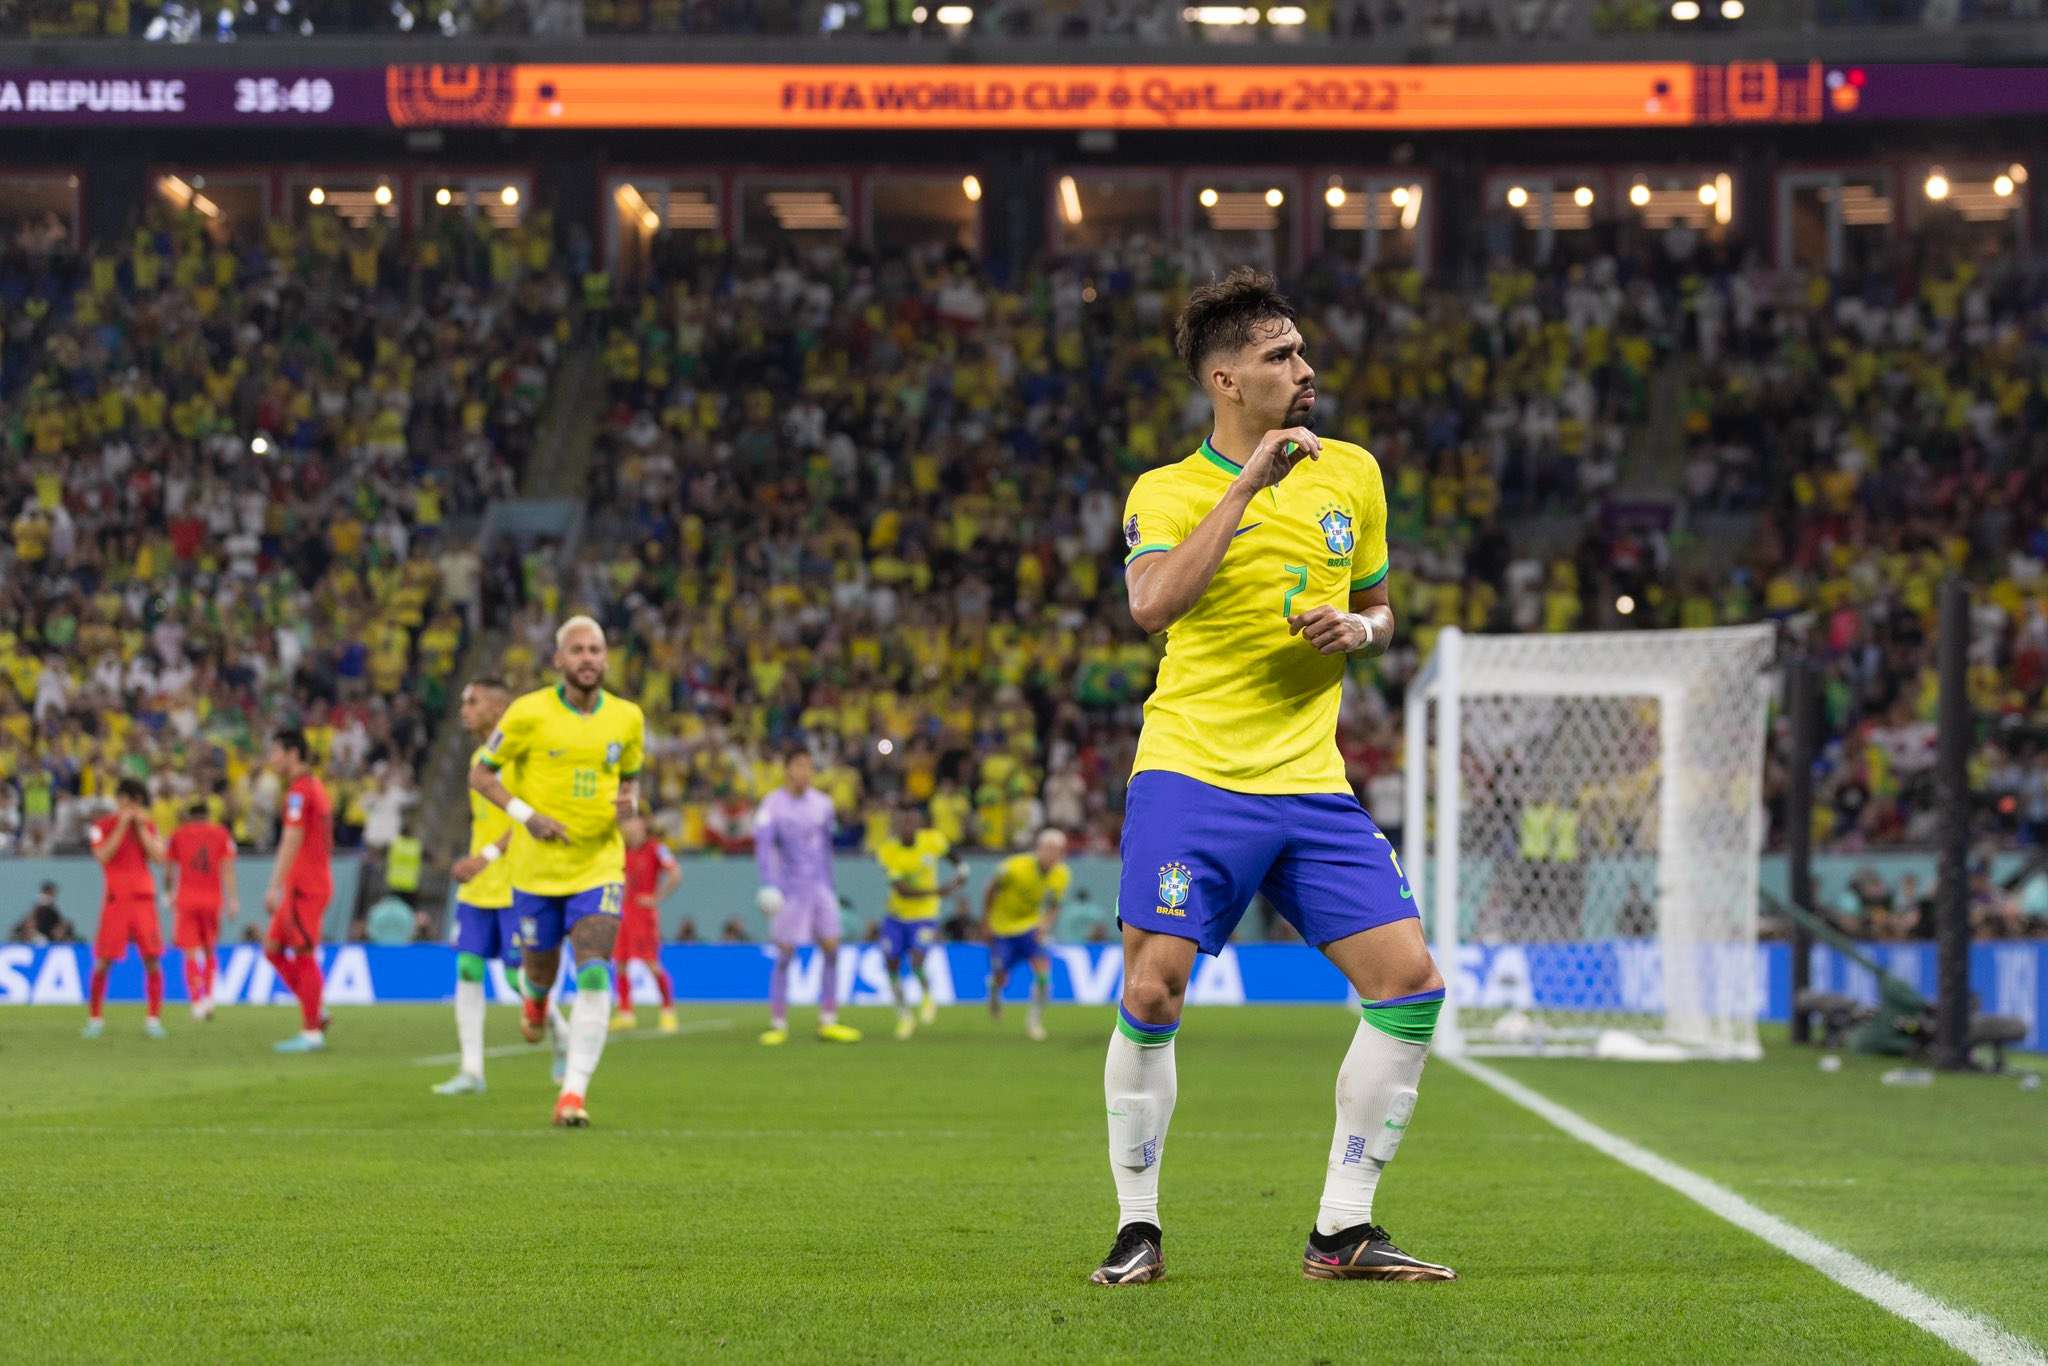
(1336, 525)
(1175, 885)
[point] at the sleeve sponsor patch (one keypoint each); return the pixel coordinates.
(1131, 531)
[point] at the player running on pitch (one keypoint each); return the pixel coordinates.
(793, 847)
(1263, 558)
(301, 885)
(651, 874)
(485, 925)
(1018, 913)
(576, 749)
(201, 863)
(126, 843)
(910, 857)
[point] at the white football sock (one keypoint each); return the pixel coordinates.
(1375, 1098)
(469, 1026)
(590, 1020)
(1138, 1085)
(1041, 988)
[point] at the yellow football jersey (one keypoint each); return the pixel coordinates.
(569, 764)
(1241, 703)
(1024, 893)
(916, 863)
(491, 889)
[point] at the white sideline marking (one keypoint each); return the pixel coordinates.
(1977, 1338)
(511, 1050)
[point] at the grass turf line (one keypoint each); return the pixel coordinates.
(201, 1198)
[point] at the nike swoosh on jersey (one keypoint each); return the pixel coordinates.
(1243, 529)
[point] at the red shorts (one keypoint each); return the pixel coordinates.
(196, 926)
(639, 935)
(129, 919)
(296, 923)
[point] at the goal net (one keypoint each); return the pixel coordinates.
(1584, 814)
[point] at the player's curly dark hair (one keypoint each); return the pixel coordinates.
(1224, 313)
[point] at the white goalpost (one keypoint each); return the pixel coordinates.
(1583, 825)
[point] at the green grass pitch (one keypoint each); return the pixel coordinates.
(199, 1199)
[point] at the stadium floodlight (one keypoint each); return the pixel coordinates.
(1335, 196)
(509, 196)
(1517, 197)
(971, 187)
(259, 445)
(2002, 187)
(1220, 16)
(1287, 16)
(1208, 198)
(1685, 11)
(885, 746)
(444, 196)
(1625, 605)
(1583, 197)
(2018, 173)
(1936, 186)
(919, 15)
(382, 194)
(1398, 196)
(316, 196)
(1708, 194)
(1731, 10)
(956, 16)
(1585, 822)
(1274, 198)
(1639, 194)
(1070, 199)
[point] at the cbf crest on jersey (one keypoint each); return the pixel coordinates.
(1131, 531)
(1175, 885)
(611, 754)
(1336, 525)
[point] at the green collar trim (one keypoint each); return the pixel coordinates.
(562, 696)
(1209, 453)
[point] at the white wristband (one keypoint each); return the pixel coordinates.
(1366, 622)
(519, 811)
(491, 853)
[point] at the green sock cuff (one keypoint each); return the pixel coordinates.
(1411, 1022)
(593, 977)
(468, 968)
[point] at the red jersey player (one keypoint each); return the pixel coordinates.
(126, 843)
(202, 869)
(301, 884)
(651, 874)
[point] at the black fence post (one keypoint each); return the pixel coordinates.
(1803, 741)
(1952, 790)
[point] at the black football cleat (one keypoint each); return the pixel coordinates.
(1364, 1252)
(1135, 1259)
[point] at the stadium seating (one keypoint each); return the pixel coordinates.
(235, 460)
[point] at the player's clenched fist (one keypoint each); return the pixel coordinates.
(546, 829)
(1277, 453)
(1332, 632)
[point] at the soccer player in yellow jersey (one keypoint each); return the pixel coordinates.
(1018, 913)
(910, 857)
(574, 750)
(485, 925)
(1262, 557)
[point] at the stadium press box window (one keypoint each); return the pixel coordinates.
(783, 210)
(1243, 216)
(1660, 204)
(227, 202)
(1835, 219)
(39, 212)
(1379, 221)
(1538, 217)
(914, 211)
(1968, 210)
(652, 213)
(499, 199)
(1094, 209)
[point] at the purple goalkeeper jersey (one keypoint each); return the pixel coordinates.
(793, 839)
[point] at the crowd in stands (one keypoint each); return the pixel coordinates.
(230, 467)
(871, 505)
